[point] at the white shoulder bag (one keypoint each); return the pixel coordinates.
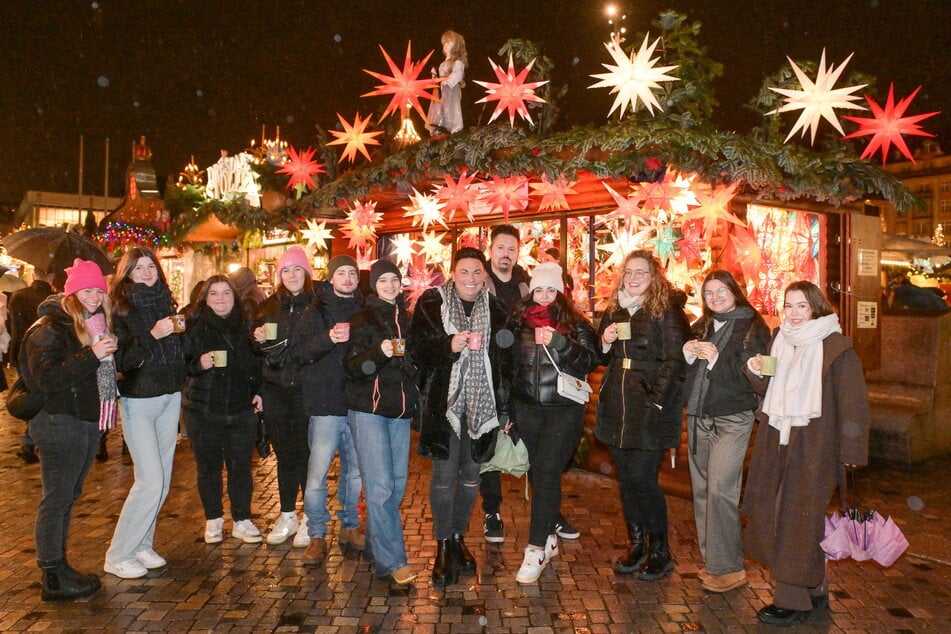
(570, 387)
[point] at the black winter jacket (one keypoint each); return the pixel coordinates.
(536, 379)
(54, 362)
(228, 390)
(139, 378)
(730, 392)
(322, 361)
(285, 310)
(628, 412)
(431, 347)
(378, 384)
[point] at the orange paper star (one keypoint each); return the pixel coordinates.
(506, 194)
(888, 125)
(404, 85)
(355, 137)
(714, 206)
(553, 192)
(511, 92)
(458, 195)
(360, 226)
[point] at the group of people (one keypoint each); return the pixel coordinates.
(335, 373)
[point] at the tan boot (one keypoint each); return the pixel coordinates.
(725, 583)
(352, 537)
(316, 552)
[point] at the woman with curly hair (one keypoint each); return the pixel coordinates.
(640, 410)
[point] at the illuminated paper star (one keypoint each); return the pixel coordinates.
(623, 241)
(404, 85)
(511, 92)
(401, 245)
(301, 168)
(627, 207)
(355, 137)
(435, 250)
(714, 205)
(889, 124)
(672, 195)
(553, 192)
(633, 78)
(317, 235)
(665, 243)
(360, 226)
(506, 194)
(818, 99)
(364, 258)
(425, 209)
(691, 245)
(458, 195)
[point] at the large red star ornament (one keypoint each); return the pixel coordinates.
(301, 168)
(506, 194)
(354, 137)
(888, 125)
(714, 205)
(553, 192)
(360, 226)
(691, 246)
(627, 207)
(405, 86)
(458, 195)
(511, 92)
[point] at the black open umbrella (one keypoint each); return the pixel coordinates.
(51, 249)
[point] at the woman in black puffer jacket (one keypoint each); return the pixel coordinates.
(549, 331)
(67, 356)
(285, 417)
(222, 427)
(640, 408)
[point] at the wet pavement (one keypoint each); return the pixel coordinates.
(237, 587)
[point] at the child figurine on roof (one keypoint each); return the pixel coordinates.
(448, 114)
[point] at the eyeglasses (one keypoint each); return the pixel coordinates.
(720, 292)
(637, 274)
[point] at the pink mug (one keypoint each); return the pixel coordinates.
(540, 335)
(475, 341)
(343, 330)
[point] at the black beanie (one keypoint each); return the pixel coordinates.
(379, 268)
(337, 261)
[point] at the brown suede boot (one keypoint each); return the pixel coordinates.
(316, 552)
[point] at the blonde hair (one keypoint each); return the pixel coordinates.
(458, 48)
(657, 295)
(75, 309)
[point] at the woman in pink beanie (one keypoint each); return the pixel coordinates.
(285, 417)
(67, 357)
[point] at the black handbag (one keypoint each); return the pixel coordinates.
(263, 443)
(23, 404)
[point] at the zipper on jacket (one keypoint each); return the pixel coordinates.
(623, 398)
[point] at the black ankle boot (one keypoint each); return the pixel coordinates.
(461, 555)
(60, 582)
(658, 563)
(444, 572)
(636, 552)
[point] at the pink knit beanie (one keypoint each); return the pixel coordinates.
(295, 256)
(84, 274)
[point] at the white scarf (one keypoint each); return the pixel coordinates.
(794, 395)
(628, 301)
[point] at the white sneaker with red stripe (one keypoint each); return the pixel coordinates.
(532, 565)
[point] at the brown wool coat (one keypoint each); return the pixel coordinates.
(789, 488)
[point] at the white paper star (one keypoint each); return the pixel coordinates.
(425, 209)
(817, 100)
(633, 78)
(317, 235)
(402, 247)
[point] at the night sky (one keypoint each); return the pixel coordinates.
(196, 77)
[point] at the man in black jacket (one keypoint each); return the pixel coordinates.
(318, 348)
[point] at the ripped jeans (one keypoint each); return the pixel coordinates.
(453, 488)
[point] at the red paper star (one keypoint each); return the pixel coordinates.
(691, 245)
(714, 206)
(458, 195)
(511, 92)
(627, 207)
(301, 168)
(888, 125)
(360, 227)
(505, 194)
(404, 85)
(355, 137)
(553, 192)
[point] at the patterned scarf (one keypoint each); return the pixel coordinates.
(471, 400)
(149, 304)
(105, 375)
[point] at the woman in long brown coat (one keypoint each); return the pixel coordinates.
(814, 419)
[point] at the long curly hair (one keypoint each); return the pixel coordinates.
(122, 281)
(458, 48)
(657, 296)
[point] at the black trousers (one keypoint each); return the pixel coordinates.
(223, 441)
(287, 423)
(641, 498)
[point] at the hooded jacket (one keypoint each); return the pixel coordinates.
(642, 395)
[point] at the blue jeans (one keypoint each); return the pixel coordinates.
(150, 429)
(327, 435)
(382, 447)
(68, 446)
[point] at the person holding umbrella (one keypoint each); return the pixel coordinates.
(151, 359)
(68, 357)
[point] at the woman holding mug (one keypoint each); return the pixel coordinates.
(720, 406)
(640, 411)
(68, 357)
(151, 360)
(814, 419)
(221, 399)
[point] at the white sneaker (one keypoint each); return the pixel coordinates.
(284, 527)
(551, 547)
(246, 531)
(301, 538)
(213, 530)
(532, 566)
(130, 568)
(151, 559)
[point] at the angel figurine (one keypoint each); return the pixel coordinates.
(448, 114)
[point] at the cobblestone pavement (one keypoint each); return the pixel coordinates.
(236, 587)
